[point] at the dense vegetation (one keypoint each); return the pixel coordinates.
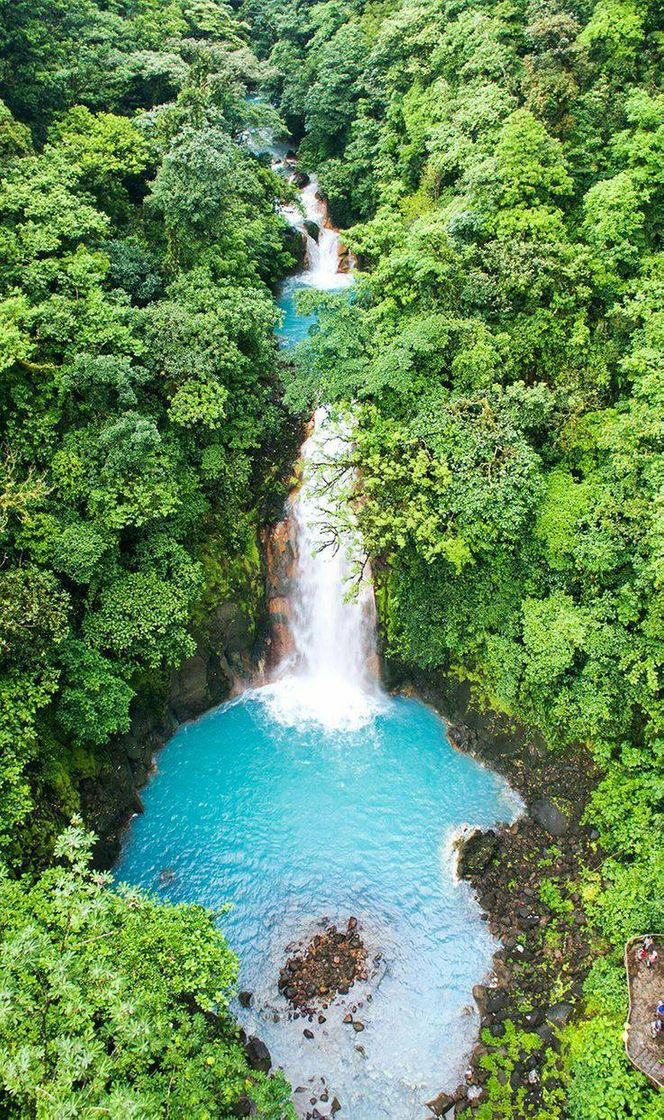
(115, 1005)
(499, 164)
(138, 410)
(138, 240)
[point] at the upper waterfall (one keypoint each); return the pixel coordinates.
(322, 252)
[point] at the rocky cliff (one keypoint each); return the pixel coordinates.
(227, 657)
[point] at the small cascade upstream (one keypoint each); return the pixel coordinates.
(325, 265)
(330, 675)
(323, 254)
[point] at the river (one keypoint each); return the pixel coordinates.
(318, 796)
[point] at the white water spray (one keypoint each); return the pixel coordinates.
(322, 254)
(331, 676)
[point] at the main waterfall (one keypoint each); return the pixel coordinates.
(330, 676)
(317, 797)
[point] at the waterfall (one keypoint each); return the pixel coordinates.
(331, 674)
(322, 255)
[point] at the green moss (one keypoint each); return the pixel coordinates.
(514, 1046)
(550, 894)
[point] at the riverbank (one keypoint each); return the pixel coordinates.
(226, 654)
(527, 877)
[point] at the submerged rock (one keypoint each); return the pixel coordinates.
(330, 963)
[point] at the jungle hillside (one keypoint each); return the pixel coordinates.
(496, 168)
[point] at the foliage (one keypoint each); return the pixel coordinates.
(114, 1003)
(605, 1086)
(551, 896)
(499, 171)
(138, 240)
(499, 1061)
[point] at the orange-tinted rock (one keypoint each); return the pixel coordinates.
(280, 562)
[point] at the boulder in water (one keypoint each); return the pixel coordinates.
(476, 852)
(441, 1104)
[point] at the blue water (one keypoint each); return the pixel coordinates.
(295, 327)
(291, 825)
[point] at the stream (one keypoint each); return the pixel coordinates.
(319, 796)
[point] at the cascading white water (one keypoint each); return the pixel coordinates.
(322, 255)
(331, 676)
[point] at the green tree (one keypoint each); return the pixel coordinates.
(116, 1003)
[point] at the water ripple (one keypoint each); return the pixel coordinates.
(292, 823)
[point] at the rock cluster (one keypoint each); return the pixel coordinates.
(325, 967)
(323, 1105)
(542, 945)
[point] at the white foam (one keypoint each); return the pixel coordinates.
(331, 702)
(322, 255)
(331, 677)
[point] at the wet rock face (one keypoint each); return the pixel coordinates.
(325, 967)
(476, 852)
(223, 657)
(190, 687)
(559, 1013)
(280, 558)
(528, 878)
(347, 260)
